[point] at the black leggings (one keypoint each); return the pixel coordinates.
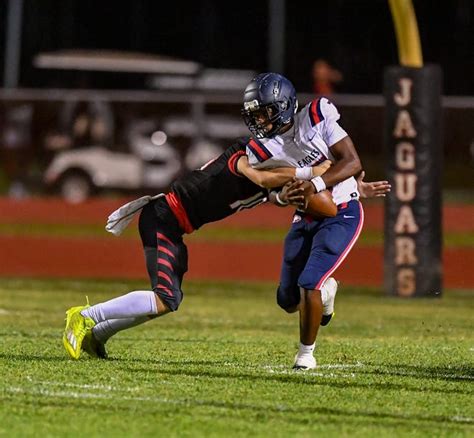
(166, 255)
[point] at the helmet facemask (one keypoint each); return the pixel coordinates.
(258, 118)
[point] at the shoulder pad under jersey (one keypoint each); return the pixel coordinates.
(322, 109)
(258, 150)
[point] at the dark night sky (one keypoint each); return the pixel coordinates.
(357, 36)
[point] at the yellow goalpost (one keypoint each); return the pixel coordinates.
(406, 30)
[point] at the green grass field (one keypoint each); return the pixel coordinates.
(221, 366)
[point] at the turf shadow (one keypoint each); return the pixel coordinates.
(291, 414)
(303, 379)
(457, 373)
(162, 362)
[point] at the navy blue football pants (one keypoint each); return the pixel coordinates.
(314, 249)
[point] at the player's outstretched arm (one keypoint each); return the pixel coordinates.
(322, 168)
(373, 189)
(278, 177)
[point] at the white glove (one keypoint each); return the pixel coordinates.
(120, 218)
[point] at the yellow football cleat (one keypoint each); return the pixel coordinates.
(77, 327)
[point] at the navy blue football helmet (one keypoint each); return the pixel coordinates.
(269, 104)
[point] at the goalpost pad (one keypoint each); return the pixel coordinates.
(413, 150)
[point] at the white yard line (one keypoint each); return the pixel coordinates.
(343, 366)
(324, 366)
(310, 373)
(106, 388)
(284, 369)
(462, 419)
(88, 395)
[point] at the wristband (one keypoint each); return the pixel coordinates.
(318, 184)
(304, 173)
(279, 200)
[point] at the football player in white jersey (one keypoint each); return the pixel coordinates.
(314, 248)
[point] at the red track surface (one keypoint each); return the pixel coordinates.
(123, 258)
(112, 257)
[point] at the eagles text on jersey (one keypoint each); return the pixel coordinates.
(307, 143)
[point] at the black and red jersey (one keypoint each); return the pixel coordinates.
(214, 191)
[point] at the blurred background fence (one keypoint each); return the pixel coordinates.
(79, 143)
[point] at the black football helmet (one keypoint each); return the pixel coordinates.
(269, 98)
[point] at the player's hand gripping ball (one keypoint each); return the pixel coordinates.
(318, 205)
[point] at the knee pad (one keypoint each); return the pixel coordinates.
(288, 297)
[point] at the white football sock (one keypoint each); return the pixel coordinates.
(306, 349)
(106, 329)
(324, 293)
(131, 305)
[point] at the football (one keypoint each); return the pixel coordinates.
(321, 205)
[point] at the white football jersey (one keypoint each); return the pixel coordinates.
(307, 143)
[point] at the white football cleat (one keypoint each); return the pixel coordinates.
(330, 289)
(304, 362)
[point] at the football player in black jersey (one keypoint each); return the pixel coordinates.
(218, 189)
